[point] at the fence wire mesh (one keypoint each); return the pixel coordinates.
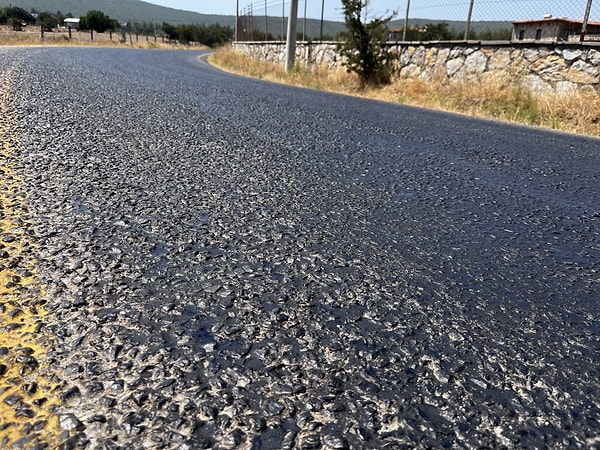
(492, 19)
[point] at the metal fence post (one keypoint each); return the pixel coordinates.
(266, 22)
(468, 26)
(322, 13)
(237, 22)
(586, 18)
(304, 23)
(406, 21)
(251, 21)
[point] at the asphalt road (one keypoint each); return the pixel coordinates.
(237, 264)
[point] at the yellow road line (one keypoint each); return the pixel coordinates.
(28, 396)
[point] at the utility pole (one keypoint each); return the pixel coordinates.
(290, 48)
(237, 20)
(586, 18)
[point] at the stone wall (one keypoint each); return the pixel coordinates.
(307, 53)
(539, 66)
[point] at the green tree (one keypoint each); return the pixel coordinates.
(15, 23)
(96, 21)
(146, 28)
(17, 13)
(438, 32)
(413, 34)
(170, 31)
(363, 49)
(47, 21)
(211, 35)
(504, 34)
(186, 33)
(15, 17)
(216, 34)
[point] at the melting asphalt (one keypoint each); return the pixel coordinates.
(230, 263)
(29, 394)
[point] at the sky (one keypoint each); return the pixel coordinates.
(332, 10)
(434, 9)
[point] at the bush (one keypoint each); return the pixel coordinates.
(10, 14)
(363, 48)
(96, 21)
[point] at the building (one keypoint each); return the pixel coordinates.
(71, 22)
(553, 29)
(395, 34)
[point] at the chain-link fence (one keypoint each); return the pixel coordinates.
(419, 19)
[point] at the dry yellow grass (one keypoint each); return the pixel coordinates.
(495, 96)
(32, 36)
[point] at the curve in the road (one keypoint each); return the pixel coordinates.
(238, 264)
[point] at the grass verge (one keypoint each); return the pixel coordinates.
(492, 96)
(80, 39)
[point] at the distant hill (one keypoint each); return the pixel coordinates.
(457, 26)
(277, 27)
(140, 11)
(122, 10)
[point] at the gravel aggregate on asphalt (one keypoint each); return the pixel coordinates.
(27, 390)
(231, 263)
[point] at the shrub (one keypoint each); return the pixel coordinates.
(363, 48)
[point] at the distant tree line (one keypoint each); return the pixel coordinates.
(96, 21)
(211, 35)
(440, 31)
(17, 18)
(260, 35)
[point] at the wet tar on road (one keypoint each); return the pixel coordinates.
(237, 264)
